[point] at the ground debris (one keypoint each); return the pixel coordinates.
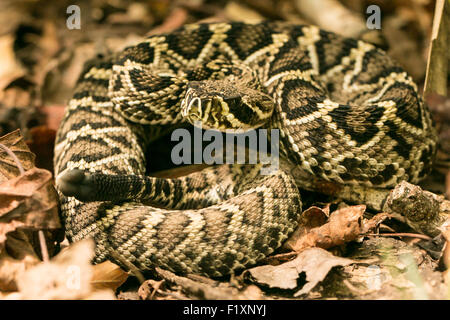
(424, 211)
(314, 262)
(209, 291)
(344, 225)
(67, 276)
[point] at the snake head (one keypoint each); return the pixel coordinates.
(226, 105)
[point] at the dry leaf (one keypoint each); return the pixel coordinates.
(374, 222)
(108, 275)
(344, 225)
(67, 276)
(27, 201)
(30, 198)
(7, 228)
(11, 268)
(310, 218)
(314, 262)
(18, 256)
(8, 167)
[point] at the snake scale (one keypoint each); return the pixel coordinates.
(347, 114)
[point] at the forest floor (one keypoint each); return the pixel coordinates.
(340, 251)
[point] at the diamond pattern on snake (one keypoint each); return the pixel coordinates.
(347, 115)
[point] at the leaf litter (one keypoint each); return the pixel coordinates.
(29, 205)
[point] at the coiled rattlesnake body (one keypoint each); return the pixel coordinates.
(346, 113)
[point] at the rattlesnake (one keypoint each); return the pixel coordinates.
(347, 115)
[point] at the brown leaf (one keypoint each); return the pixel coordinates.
(374, 222)
(27, 201)
(314, 262)
(108, 275)
(30, 198)
(310, 218)
(18, 256)
(344, 225)
(67, 276)
(7, 228)
(10, 268)
(8, 167)
(207, 290)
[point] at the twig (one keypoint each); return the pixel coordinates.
(173, 295)
(281, 256)
(401, 234)
(156, 289)
(135, 271)
(201, 290)
(12, 155)
(43, 245)
(437, 67)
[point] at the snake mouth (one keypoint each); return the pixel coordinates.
(193, 110)
(223, 106)
(208, 111)
(191, 106)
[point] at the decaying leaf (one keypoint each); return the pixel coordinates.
(11, 268)
(108, 275)
(18, 256)
(30, 198)
(7, 228)
(209, 290)
(344, 225)
(28, 201)
(374, 222)
(314, 262)
(26, 196)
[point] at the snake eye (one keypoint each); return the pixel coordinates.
(233, 100)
